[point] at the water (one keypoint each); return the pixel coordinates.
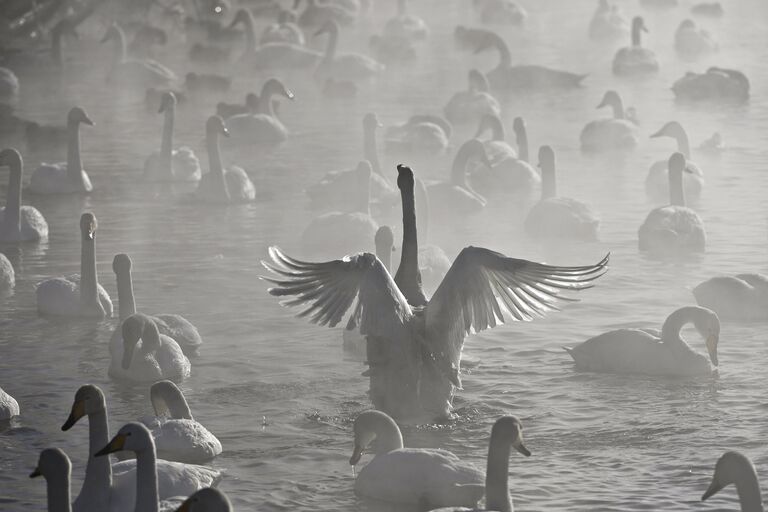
(599, 442)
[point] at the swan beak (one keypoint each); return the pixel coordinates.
(78, 411)
(713, 489)
(657, 134)
(357, 453)
(115, 445)
(35, 473)
(602, 104)
(520, 447)
(712, 348)
(321, 30)
(87, 120)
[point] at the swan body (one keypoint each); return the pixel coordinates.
(227, 110)
(208, 499)
(220, 185)
(138, 72)
(615, 133)
(9, 407)
(716, 84)
(7, 274)
(69, 176)
(9, 86)
(158, 357)
(405, 26)
(559, 217)
(501, 12)
(19, 223)
(55, 466)
(607, 23)
(657, 181)
(741, 298)
(635, 60)
(77, 296)
(171, 164)
(349, 67)
(736, 468)
(471, 105)
(262, 128)
(273, 55)
(455, 197)
(420, 134)
(690, 41)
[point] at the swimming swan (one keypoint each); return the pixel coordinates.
(635, 60)
(673, 229)
(740, 298)
(348, 67)
(220, 185)
(19, 223)
(113, 486)
(607, 23)
(657, 181)
(613, 133)
(54, 465)
(65, 177)
(9, 407)
(501, 12)
(479, 289)
(405, 26)
(692, 42)
(469, 106)
(736, 468)
(77, 295)
(138, 72)
(558, 217)
(262, 127)
(421, 134)
(7, 274)
(650, 352)
(209, 499)
(716, 84)
(455, 196)
(171, 164)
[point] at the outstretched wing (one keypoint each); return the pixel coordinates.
(328, 289)
(482, 286)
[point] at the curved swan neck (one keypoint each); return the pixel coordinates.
(166, 145)
(264, 105)
(422, 200)
(370, 149)
(57, 489)
(408, 276)
(748, 488)
(74, 163)
(249, 28)
(388, 436)
(670, 331)
(126, 302)
(98, 471)
(548, 180)
(147, 493)
(384, 253)
(171, 399)
(505, 58)
(496, 476)
(89, 294)
(216, 168)
(12, 215)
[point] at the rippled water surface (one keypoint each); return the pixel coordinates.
(599, 442)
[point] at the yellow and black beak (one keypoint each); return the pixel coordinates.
(35, 473)
(77, 412)
(115, 445)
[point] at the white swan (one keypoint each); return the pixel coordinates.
(19, 223)
(284, 31)
(69, 176)
(650, 352)
(693, 42)
(317, 13)
(344, 232)
(9, 407)
(456, 197)
(506, 433)
(635, 60)
(507, 172)
(607, 23)
(421, 134)
(716, 84)
(261, 128)
(613, 133)
(7, 274)
(338, 188)
(736, 468)
(673, 229)
(410, 476)
(404, 25)
(9, 86)
(171, 164)
(471, 105)
(138, 72)
(171, 325)
(77, 295)
(158, 356)
(657, 181)
(481, 287)
(348, 67)
(741, 298)
(176, 433)
(209, 499)
(113, 486)
(54, 465)
(501, 12)
(220, 185)
(558, 217)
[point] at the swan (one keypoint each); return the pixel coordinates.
(65, 177)
(507, 432)
(173, 326)
(284, 31)
(338, 188)
(113, 486)
(348, 67)
(176, 433)
(158, 357)
(19, 223)
(9, 407)
(559, 217)
(524, 77)
(425, 134)
(501, 12)
(613, 133)
(481, 287)
(736, 468)
(209, 499)
(49, 60)
(741, 298)
(673, 229)
(136, 437)
(716, 84)
(342, 232)
(657, 181)
(607, 23)
(471, 105)
(405, 26)
(77, 295)
(650, 352)
(714, 144)
(507, 172)
(410, 476)
(692, 42)
(7, 274)
(713, 9)
(227, 110)
(262, 127)
(456, 197)
(318, 13)
(54, 465)
(635, 60)
(171, 164)
(9, 86)
(139, 72)
(220, 185)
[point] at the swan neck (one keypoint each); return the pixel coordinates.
(250, 32)
(218, 182)
(58, 493)
(330, 47)
(166, 145)
(178, 407)
(496, 476)
(384, 253)
(119, 55)
(497, 129)
(636, 27)
(505, 58)
(748, 488)
(408, 276)
(618, 108)
(370, 149)
(522, 144)
(56, 47)
(670, 331)
(683, 145)
(98, 471)
(548, 181)
(388, 437)
(264, 105)
(150, 338)
(676, 190)
(459, 168)
(147, 493)
(89, 294)
(126, 301)
(74, 163)
(12, 215)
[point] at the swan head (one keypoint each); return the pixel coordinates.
(671, 129)
(509, 429)
(676, 164)
(113, 32)
(610, 98)
(638, 24)
(404, 177)
(167, 102)
(275, 86)
(329, 27)
(371, 122)
(384, 240)
(252, 101)
(730, 468)
(168, 400)
(370, 425)
(707, 324)
(88, 225)
(121, 263)
(518, 126)
(133, 436)
(206, 500)
(687, 25)
(89, 399)
(215, 126)
(546, 157)
(10, 157)
(474, 148)
(52, 461)
(478, 81)
(77, 115)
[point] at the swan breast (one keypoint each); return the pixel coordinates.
(672, 229)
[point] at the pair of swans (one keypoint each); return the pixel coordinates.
(608, 23)
(77, 295)
(433, 477)
(470, 105)
(170, 164)
(222, 185)
(614, 133)
(138, 72)
(675, 229)
(693, 42)
(634, 60)
(261, 127)
(9, 407)
(741, 298)
(19, 223)
(657, 181)
(716, 84)
(348, 67)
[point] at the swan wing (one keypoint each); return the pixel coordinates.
(329, 288)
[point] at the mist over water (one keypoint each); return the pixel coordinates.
(599, 441)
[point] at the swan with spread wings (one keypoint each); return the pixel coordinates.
(419, 346)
